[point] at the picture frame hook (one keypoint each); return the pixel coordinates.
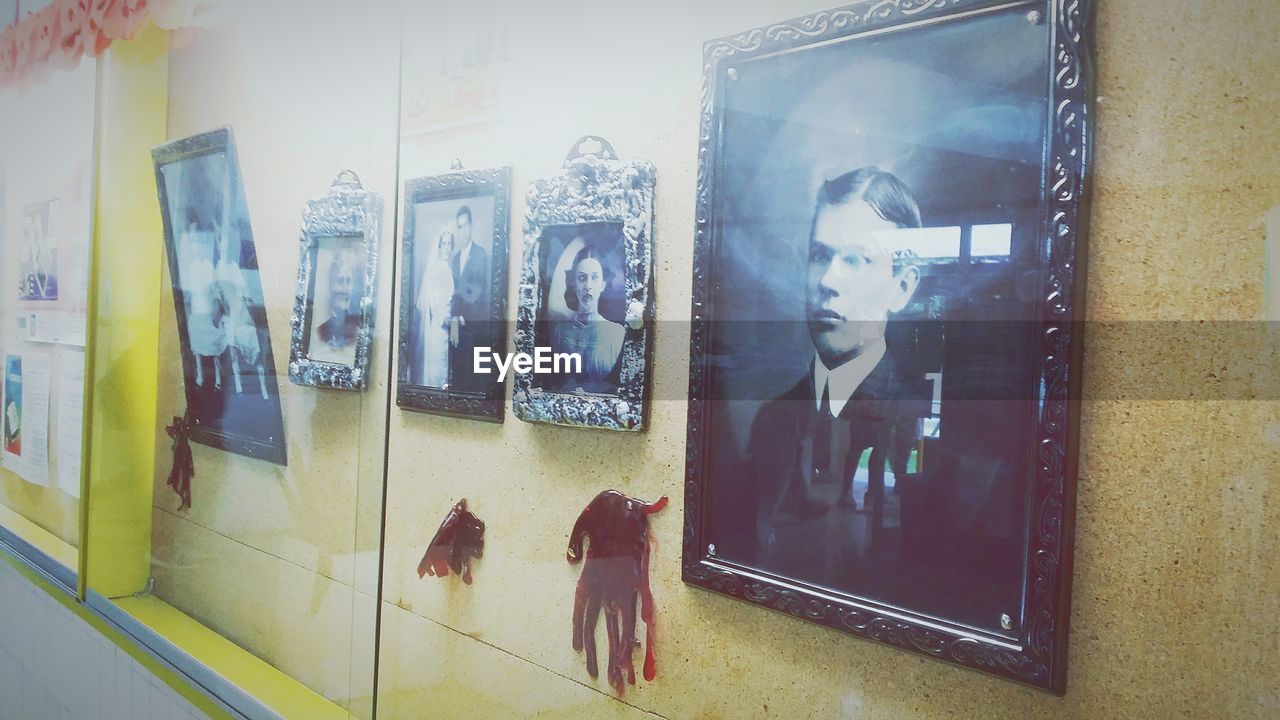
(347, 179)
(590, 146)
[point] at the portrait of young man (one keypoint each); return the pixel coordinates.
(853, 407)
(875, 237)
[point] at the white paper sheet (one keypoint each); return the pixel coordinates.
(70, 419)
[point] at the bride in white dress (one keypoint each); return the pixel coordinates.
(435, 303)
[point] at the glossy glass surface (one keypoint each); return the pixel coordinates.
(46, 222)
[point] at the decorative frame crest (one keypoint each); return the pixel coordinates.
(348, 212)
(594, 187)
(1039, 656)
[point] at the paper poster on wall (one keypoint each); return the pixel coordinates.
(38, 274)
(456, 79)
(26, 417)
(70, 416)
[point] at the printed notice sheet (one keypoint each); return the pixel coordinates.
(70, 415)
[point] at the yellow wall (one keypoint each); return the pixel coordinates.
(124, 335)
(1177, 591)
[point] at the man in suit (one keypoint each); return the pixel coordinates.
(806, 445)
(471, 279)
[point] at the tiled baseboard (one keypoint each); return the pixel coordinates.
(55, 666)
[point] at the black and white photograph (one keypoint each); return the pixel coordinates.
(869, 369)
(586, 292)
(228, 366)
(337, 288)
(453, 292)
(583, 306)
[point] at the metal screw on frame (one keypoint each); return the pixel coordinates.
(1006, 622)
(711, 549)
(732, 73)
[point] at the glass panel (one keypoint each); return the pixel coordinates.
(46, 220)
(247, 144)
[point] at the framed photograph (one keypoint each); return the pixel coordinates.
(333, 311)
(453, 292)
(889, 256)
(227, 363)
(39, 265)
(586, 293)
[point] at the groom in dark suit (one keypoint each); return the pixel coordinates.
(471, 277)
(806, 445)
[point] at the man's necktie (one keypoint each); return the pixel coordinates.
(822, 438)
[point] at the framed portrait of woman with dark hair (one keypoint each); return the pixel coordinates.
(889, 249)
(586, 293)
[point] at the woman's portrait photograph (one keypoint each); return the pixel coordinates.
(583, 305)
(586, 292)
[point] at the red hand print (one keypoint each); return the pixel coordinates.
(615, 572)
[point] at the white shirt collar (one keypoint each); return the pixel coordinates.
(846, 378)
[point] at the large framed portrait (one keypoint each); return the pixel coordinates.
(586, 293)
(333, 311)
(228, 368)
(453, 292)
(885, 342)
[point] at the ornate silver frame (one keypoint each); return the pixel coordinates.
(347, 211)
(496, 182)
(1039, 656)
(594, 186)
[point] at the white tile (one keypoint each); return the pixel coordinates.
(159, 702)
(124, 685)
(52, 708)
(141, 697)
(32, 697)
(8, 684)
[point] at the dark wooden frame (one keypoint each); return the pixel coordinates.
(495, 182)
(1039, 656)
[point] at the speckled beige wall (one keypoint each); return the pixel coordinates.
(1177, 599)
(1176, 605)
